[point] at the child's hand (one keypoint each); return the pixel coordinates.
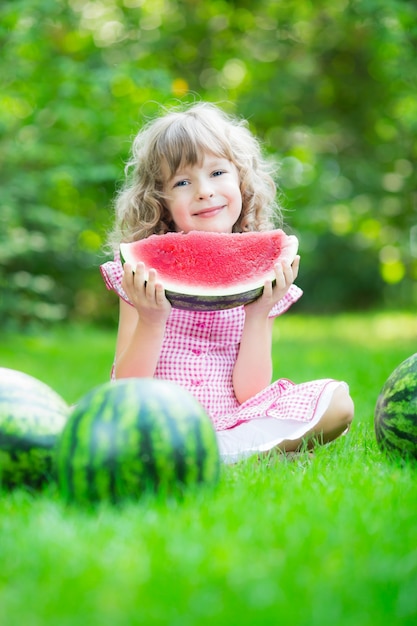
(147, 296)
(285, 275)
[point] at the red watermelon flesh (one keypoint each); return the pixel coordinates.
(206, 271)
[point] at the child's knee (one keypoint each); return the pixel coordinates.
(342, 406)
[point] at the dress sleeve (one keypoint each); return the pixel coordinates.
(112, 273)
(293, 294)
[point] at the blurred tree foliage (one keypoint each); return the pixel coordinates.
(328, 86)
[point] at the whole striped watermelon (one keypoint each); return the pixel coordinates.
(132, 436)
(396, 412)
(32, 415)
(206, 271)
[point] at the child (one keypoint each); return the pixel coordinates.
(199, 169)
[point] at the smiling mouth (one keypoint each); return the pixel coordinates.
(209, 211)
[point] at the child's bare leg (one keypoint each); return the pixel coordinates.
(333, 423)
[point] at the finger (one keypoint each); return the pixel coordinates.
(159, 294)
(296, 266)
(288, 273)
(133, 281)
(279, 276)
(139, 272)
(140, 278)
(128, 275)
(150, 284)
(267, 292)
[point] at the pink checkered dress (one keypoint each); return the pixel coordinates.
(199, 351)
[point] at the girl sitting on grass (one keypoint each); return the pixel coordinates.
(199, 169)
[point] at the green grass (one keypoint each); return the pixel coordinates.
(310, 542)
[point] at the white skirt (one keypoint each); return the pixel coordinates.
(264, 433)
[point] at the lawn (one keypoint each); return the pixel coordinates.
(328, 540)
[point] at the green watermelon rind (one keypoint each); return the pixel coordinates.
(32, 416)
(395, 420)
(213, 303)
(134, 456)
(30, 468)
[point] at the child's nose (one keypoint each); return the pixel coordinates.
(205, 189)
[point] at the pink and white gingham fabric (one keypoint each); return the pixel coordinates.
(199, 351)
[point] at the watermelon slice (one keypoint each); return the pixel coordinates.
(209, 271)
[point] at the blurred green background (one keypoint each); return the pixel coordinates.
(328, 86)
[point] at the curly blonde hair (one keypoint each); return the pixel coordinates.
(183, 137)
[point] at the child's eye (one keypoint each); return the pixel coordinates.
(218, 172)
(181, 183)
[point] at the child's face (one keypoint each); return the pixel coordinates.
(205, 196)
